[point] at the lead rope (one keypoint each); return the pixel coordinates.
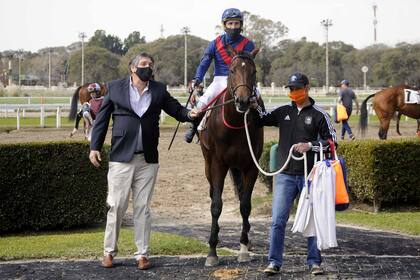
(303, 157)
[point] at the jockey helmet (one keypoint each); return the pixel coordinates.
(232, 14)
(94, 87)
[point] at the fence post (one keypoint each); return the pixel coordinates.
(58, 118)
(18, 119)
(42, 117)
(162, 117)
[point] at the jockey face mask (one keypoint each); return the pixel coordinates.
(144, 73)
(233, 33)
(298, 95)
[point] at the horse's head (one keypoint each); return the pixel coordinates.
(242, 78)
(104, 89)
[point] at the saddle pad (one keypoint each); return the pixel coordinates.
(411, 96)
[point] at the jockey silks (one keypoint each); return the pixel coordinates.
(213, 52)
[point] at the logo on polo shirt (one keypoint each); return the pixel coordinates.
(308, 120)
(287, 118)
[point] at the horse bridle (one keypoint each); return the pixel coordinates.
(253, 90)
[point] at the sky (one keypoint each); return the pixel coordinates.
(33, 25)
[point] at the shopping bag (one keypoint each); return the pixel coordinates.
(342, 200)
(341, 113)
(334, 116)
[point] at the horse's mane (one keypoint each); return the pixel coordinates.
(245, 54)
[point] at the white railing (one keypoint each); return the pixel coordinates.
(20, 111)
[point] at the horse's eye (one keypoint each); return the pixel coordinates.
(231, 71)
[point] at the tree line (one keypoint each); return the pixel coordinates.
(106, 57)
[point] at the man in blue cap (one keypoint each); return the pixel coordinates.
(232, 20)
(347, 96)
(303, 124)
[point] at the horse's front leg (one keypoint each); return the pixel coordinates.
(249, 179)
(217, 174)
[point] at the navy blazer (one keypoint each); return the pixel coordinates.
(125, 127)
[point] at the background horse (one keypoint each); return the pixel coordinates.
(82, 95)
(385, 103)
(398, 117)
(225, 148)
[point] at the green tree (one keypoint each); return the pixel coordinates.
(169, 57)
(263, 31)
(100, 65)
(132, 39)
(109, 42)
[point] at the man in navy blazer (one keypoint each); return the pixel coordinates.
(135, 104)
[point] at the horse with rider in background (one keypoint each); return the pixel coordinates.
(90, 97)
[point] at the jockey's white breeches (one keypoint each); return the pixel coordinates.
(217, 86)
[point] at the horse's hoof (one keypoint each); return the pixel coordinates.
(244, 257)
(212, 261)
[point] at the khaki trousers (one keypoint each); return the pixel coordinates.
(139, 177)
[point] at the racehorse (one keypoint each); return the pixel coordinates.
(83, 95)
(225, 148)
(385, 103)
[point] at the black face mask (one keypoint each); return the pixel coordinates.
(233, 33)
(144, 73)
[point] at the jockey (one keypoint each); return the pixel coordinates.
(96, 101)
(232, 20)
(90, 109)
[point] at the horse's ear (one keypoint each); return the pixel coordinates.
(231, 50)
(254, 52)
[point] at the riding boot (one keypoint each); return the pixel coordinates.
(189, 135)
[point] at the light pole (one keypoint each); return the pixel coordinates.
(49, 68)
(185, 30)
(10, 72)
(20, 57)
(364, 70)
(82, 37)
(326, 23)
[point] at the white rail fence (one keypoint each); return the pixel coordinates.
(21, 110)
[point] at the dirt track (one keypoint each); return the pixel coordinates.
(182, 192)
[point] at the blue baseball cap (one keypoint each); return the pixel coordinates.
(345, 82)
(297, 80)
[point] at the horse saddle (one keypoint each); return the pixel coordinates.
(411, 96)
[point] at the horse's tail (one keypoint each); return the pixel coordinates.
(364, 115)
(73, 106)
(236, 176)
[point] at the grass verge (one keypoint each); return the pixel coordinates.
(82, 244)
(405, 221)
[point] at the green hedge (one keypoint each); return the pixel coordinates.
(382, 173)
(265, 165)
(50, 186)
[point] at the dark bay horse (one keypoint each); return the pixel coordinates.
(82, 95)
(225, 148)
(385, 103)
